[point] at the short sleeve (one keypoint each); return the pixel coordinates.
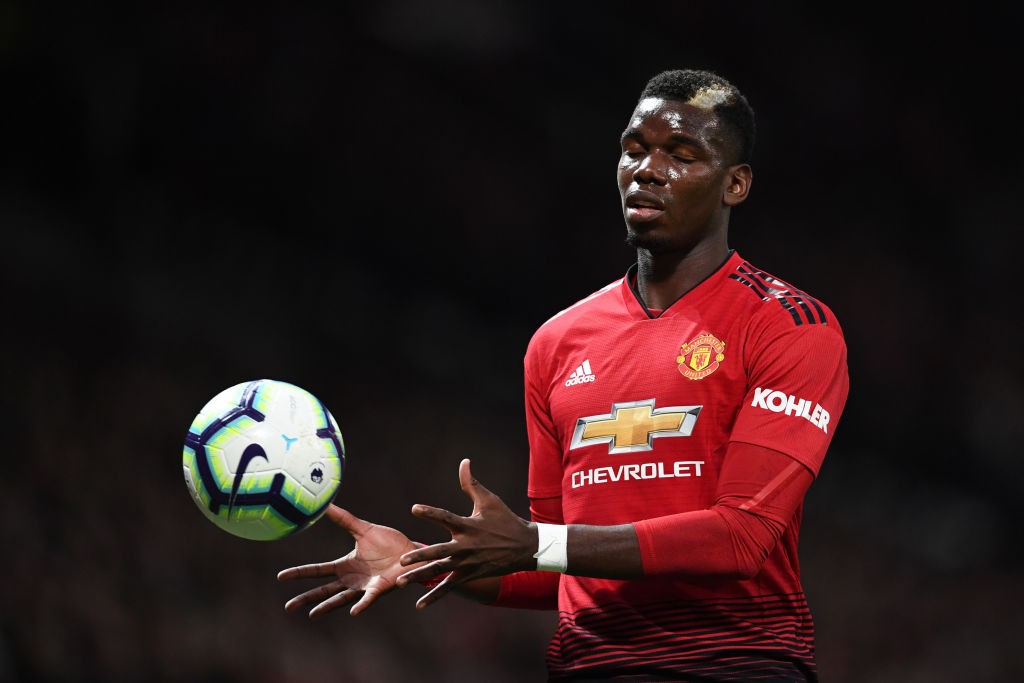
(797, 388)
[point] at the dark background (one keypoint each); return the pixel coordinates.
(380, 205)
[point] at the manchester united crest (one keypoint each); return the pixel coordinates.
(701, 356)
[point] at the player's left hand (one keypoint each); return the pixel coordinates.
(492, 541)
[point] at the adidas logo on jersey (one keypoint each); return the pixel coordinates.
(582, 374)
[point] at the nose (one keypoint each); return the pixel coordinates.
(651, 169)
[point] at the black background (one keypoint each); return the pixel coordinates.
(380, 204)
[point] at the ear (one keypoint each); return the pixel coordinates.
(737, 185)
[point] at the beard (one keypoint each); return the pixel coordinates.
(647, 241)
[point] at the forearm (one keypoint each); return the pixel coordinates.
(720, 542)
(758, 493)
(604, 552)
(599, 551)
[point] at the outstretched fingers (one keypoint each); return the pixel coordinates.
(425, 573)
(437, 592)
(307, 571)
(340, 600)
(449, 583)
(439, 515)
(372, 592)
(332, 596)
(430, 553)
(315, 595)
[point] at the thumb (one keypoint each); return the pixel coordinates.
(466, 480)
(469, 484)
(347, 521)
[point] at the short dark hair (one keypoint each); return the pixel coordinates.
(726, 101)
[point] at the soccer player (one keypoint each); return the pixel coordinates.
(676, 419)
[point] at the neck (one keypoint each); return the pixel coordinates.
(664, 277)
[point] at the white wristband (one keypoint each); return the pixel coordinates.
(552, 554)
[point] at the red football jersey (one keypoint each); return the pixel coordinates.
(629, 416)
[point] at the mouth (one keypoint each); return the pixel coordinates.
(643, 206)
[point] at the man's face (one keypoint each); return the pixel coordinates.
(672, 175)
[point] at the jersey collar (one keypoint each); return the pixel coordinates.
(638, 309)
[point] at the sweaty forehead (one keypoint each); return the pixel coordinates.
(695, 115)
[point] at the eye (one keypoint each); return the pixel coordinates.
(633, 151)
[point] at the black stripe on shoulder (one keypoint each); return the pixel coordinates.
(757, 289)
(814, 302)
(791, 299)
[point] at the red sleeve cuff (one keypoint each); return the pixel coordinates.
(529, 590)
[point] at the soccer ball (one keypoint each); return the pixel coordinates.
(263, 459)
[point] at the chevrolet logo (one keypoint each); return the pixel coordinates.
(633, 426)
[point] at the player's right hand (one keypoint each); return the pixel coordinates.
(361, 576)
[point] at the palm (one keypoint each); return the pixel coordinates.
(367, 572)
(374, 562)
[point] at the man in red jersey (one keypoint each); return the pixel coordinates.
(676, 419)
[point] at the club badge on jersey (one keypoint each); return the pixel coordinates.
(701, 356)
